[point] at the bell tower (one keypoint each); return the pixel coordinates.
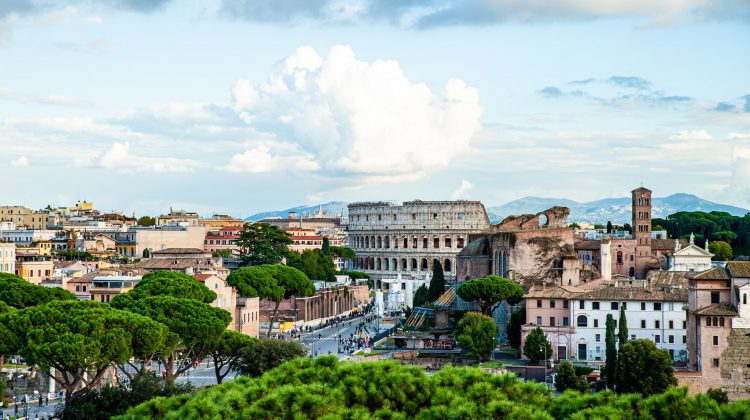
(642, 230)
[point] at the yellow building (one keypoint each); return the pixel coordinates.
(34, 268)
(26, 218)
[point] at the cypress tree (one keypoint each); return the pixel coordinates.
(611, 362)
(437, 284)
(326, 249)
(622, 332)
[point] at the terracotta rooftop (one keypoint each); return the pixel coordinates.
(672, 278)
(667, 244)
(173, 263)
(588, 245)
(717, 309)
(555, 292)
(739, 268)
(636, 294)
(712, 274)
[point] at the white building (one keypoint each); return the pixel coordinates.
(7, 257)
(653, 313)
(401, 290)
(27, 237)
(690, 258)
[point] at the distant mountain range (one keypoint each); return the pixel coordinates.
(616, 210)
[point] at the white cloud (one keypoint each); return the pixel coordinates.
(691, 135)
(119, 157)
(462, 189)
(22, 161)
(93, 20)
(359, 117)
(51, 99)
(261, 159)
(57, 16)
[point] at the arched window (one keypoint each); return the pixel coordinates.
(447, 266)
(424, 243)
(631, 272)
(403, 265)
(716, 322)
(367, 241)
(708, 321)
(387, 242)
(424, 264)
(394, 265)
(413, 264)
(744, 298)
(721, 321)
(380, 242)
(619, 257)
(406, 242)
(582, 321)
(372, 263)
(378, 265)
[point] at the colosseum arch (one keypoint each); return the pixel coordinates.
(380, 242)
(378, 266)
(447, 267)
(403, 265)
(424, 266)
(414, 264)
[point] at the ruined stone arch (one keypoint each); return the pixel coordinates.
(543, 220)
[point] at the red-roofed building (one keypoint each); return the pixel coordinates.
(223, 239)
(304, 239)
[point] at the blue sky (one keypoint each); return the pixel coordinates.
(239, 106)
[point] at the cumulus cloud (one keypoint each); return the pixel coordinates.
(50, 99)
(691, 135)
(462, 189)
(22, 161)
(119, 157)
(436, 13)
(359, 117)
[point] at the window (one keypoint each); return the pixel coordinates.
(744, 298)
(716, 340)
(708, 321)
(671, 325)
(684, 339)
(715, 363)
(538, 303)
(566, 321)
(552, 304)
(436, 243)
(594, 305)
(684, 325)
(539, 320)
(424, 242)
(582, 321)
(721, 321)
(657, 306)
(614, 306)
(643, 323)
(447, 242)
(632, 336)
(657, 324)
(552, 321)
(714, 297)
(657, 339)
(565, 304)
(581, 304)
(670, 339)
(596, 323)
(598, 338)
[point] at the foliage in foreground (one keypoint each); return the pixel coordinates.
(115, 400)
(327, 388)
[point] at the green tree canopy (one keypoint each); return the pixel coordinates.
(273, 282)
(343, 252)
(81, 339)
(263, 355)
(610, 367)
(722, 250)
(326, 247)
(437, 282)
(477, 334)
(489, 291)
(517, 319)
(644, 368)
(314, 263)
(18, 293)
(537, 347)
(261, 243)
(192, 324)
(226, 352)
(568, 379)
(622, 327)
(166, 283)
(326, 388)
(146, 221)
(421, 296)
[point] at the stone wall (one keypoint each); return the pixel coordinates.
(735, 365)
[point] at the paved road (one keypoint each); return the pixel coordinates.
(325, 341)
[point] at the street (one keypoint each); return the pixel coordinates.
(325, 341)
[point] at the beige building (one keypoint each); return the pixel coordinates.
(26, 218)
(178, 217)
(304, 239)
(719, 330)
(247, 318)
(136, 240)
(104, 288)
(190, 261)
(34, 268)
(7, 257)
(245, 311)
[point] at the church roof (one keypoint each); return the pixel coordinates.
(636, 294)
(712, 274)
(555, 292)
(668, 278)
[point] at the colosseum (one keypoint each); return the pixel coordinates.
(410, 238)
